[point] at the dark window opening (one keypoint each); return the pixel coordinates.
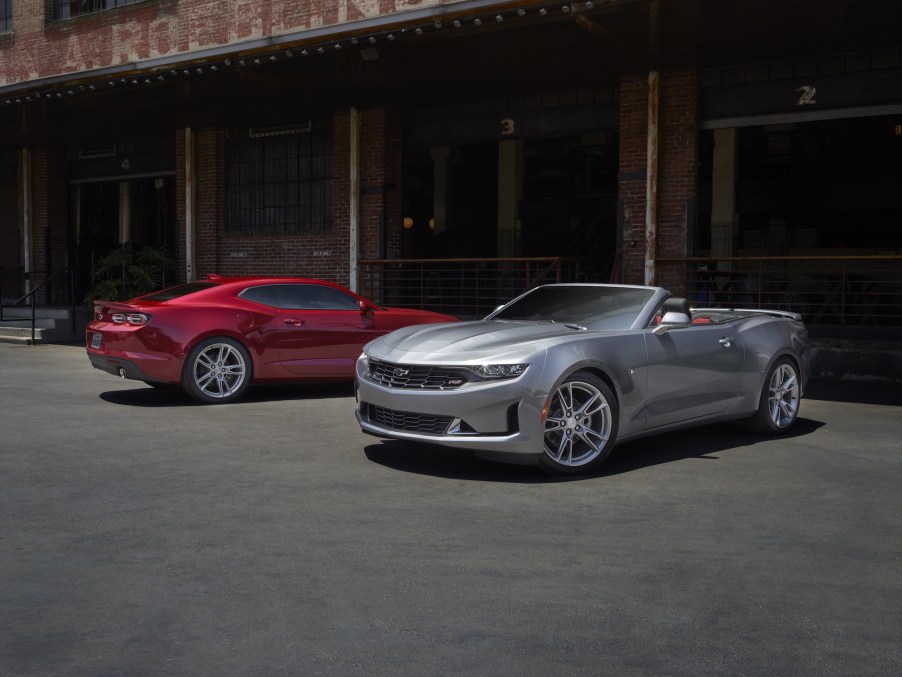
(560, 200)
(6, 16)
(824, 187)
(458, 218)
(569, 205)
(128, 214)
(280, 183)
(66, 9)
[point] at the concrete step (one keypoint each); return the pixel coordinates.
(53, 324)
(22, 335)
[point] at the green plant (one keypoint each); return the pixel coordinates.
(122, 275)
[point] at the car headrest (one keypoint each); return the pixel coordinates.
(676, 305)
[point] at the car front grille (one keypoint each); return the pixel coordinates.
(407, 420)
(393, 375)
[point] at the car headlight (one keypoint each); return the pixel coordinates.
(498, 371)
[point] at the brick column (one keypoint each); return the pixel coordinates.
(50, 219)
(632, 175)
(210, 201)
(380, 183)
(677, 174)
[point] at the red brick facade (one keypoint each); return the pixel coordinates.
(151, 30)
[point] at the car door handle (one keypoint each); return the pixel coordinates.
(727, 342)
(294, 322)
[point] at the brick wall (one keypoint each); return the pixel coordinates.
(380, 183)
(49, 212)
(678, 139)
(323, 255)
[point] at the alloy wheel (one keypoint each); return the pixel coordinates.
(219, 370)
(578, 426)
(783, 396)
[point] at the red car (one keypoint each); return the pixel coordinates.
(217, 336)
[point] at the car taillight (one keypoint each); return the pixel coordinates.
(135, 319)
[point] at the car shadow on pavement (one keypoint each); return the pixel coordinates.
(173, 396)
(705, 442)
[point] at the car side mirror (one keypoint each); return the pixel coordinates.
(672, 320)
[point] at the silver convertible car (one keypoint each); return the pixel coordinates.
(561, 373)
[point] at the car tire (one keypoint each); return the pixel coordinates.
(778, 407)
(217, 371)
(580, 427)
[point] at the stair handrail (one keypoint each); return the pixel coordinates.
(31, 295)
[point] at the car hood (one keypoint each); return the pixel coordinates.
(470, 342)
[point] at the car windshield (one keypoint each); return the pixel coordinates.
(592, 307)
(179, 291)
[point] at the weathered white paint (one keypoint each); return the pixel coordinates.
(354, 199)
(125, 213)
(651, 184)
(189, 205)
(27, 220)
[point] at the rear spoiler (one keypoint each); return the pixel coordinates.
(110, 305)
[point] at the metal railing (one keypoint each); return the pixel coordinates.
(853, 291)
(825, 290)
(45, 292)
(463, 287)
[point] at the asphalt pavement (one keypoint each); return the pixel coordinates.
(143, 534)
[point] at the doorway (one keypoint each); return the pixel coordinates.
(121, 214)
(533, 197)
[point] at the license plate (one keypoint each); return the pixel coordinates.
(96, 340)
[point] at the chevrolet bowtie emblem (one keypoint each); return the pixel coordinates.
(397, 372)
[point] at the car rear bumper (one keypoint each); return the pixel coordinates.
(121, 367)
(124, 368)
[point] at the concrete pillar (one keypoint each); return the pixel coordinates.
(723, 195)
(125, 213)
(441, 189)
(510, 192)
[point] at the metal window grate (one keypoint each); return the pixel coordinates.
(281, 183)
(66, 9)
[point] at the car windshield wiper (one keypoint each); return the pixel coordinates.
(573, 325)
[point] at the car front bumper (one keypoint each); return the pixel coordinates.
(500, 420)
